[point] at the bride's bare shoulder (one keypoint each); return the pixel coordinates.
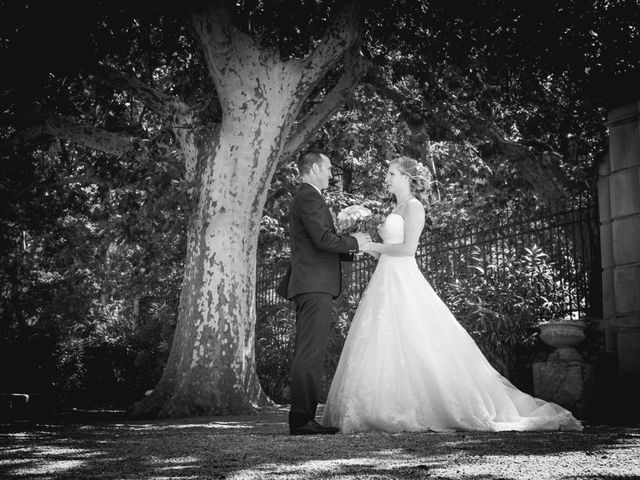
(415, 206)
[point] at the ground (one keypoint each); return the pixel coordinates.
(259, 447)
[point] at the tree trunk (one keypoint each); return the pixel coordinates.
(211, 367)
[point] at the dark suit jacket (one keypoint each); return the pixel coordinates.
(316, 248)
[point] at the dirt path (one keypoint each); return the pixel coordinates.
(259, 448)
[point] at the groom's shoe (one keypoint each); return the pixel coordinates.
(314, 428)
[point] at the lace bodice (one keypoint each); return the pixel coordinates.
(392, 230)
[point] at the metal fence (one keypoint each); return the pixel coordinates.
(568, 235)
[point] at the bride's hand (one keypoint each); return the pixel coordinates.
(369, 249)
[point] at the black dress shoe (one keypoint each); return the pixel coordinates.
(314, 428)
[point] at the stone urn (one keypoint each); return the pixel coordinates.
(563, 335)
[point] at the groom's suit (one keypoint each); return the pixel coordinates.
(313, 280)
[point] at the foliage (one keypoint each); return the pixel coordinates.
(275, 340)
(86, 236)
(82, 267)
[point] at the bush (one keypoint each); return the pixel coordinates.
(275, 341)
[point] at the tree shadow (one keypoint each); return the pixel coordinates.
(260, 447)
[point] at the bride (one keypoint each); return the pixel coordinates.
(407, 364)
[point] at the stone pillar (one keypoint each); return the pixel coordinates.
(619, 205)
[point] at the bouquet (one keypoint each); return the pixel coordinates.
(358, 218)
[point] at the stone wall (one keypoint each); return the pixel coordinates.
(619, 205)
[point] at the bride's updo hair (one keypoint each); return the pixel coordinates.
(419, 175)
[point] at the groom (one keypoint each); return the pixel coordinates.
(312, 282)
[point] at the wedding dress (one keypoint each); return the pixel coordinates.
(408, 365)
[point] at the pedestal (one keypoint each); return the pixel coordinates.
(569, 384)
(564, 378)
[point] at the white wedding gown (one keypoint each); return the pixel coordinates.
(408, 365)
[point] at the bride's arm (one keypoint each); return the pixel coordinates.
(413, 225)
(375, 255)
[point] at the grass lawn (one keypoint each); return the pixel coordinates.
(259, 447)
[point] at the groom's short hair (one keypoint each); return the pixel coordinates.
(308, 158)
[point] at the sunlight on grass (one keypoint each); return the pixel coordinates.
(48, 450)
(394, 453)
(15, 451)
(182, 460)
(305, 469)
(50, 467)
(45, 431)
(19, 435)
(260, 448)
(392, 465)
(46, 459)
(17, 461)
(182, 477)
(210, 425)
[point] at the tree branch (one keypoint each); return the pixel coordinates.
(165, 105)
(155, 100)
(342, 34)
(86, 135)
(542, 169)
(355, 68)
(185, 134)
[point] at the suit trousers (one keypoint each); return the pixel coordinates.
(313, 320)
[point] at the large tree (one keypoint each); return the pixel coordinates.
(261, 108)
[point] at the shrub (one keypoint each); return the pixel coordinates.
(275, 341)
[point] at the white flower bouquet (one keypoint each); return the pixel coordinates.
(357, 218)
